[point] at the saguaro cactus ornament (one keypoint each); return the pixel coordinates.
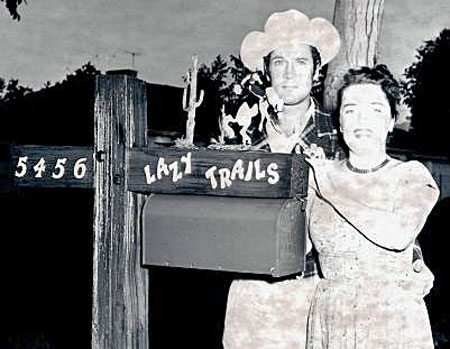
(194, 103)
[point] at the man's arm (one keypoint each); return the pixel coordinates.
(417, 252)
(423, 278)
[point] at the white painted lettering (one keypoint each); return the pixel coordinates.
(21, 166)
(59, 168)
(274, 177)
(258, 173)
(79, 169)
(161, 168)
(224, 175)
(238, 170)
(249, 174)
(187, 160)
(150, 178)
(176, 176)
(39, 168)
(209, 174)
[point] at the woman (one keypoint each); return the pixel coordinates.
(365, 216)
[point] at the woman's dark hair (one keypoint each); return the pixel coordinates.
(378, 75)
(317, 61)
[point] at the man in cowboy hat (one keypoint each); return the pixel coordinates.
(290, 52)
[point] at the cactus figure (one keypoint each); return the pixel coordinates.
(194, 103)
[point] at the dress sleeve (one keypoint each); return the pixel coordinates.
(416, 193)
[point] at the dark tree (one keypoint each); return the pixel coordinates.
(13, 91)
(58, 114)
(217, 80)
(2, 87)
(426, 93)
(12, 6)
(87, 71)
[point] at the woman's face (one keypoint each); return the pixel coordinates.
(365, 117)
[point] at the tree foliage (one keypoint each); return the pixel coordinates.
(12, 6)
(12, 90)
(86, 71)
(220, 78)
(59, 113)
(217, 80)
(426, 93)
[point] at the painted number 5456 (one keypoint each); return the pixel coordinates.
(79, 168)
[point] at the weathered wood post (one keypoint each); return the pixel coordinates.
(120, 285)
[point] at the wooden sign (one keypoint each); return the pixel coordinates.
(168, 170)
(214, 172)
(52, 166)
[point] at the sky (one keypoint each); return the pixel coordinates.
(55, 37)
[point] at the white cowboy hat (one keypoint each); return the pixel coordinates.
(286, 29)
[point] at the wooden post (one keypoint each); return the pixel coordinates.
(120, 284)
(358, 23)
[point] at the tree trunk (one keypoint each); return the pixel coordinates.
(359, 24)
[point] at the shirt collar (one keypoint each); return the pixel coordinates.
(279, 142)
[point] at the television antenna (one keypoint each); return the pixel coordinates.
(133, 57)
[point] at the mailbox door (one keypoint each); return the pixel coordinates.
(248, 235)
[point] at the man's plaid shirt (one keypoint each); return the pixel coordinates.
(319, 131)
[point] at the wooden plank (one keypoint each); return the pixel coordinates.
(120, 284)
(51, 166)
(224, 173)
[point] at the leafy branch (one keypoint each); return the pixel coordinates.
(12, 6)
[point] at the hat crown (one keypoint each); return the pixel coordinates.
(289, 28)
(285, 24)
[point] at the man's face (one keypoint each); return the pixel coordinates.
(365, 117)
(291, 72)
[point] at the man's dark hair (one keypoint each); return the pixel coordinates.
(317, 61)
(378, 75)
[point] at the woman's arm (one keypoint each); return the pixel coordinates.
(397, 227)
(319, 167)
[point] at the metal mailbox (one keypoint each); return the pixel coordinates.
(248, 235)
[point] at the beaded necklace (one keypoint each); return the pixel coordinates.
(368, 170)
